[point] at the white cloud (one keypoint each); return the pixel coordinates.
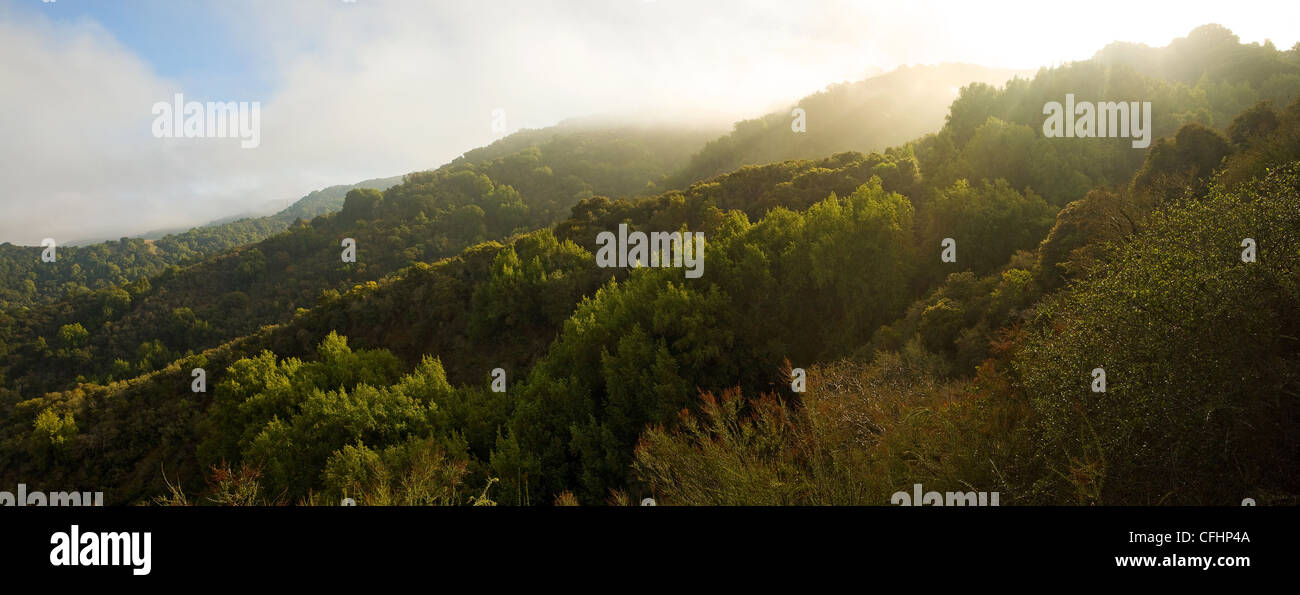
(383, 87)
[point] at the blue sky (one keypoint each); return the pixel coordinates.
(184, 40)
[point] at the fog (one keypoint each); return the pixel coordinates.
(376, 88)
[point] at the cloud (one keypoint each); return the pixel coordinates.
(71, 156)
(381, 87)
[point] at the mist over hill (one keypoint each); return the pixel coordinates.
(868, 115)
(921, 288)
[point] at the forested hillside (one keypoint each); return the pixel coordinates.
(130, 329)
(25, 280)
(584, 157)
(374, 379)
(868, 115)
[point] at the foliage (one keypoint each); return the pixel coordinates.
(371, 380)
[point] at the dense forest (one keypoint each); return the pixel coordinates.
(137, 327)
(378, 379)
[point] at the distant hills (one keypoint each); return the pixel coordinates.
(370, 379)
(328, 200)
(868, 115)
(25, 280)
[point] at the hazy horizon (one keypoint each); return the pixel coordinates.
(366, 89)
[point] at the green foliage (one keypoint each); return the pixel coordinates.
(26, 281)
(988, 221)
(1198, 348)
(414, 473)
(962, 376)
(429, 216)
(1253, 124)
(286, 418)
(636, 352)
(1173, 164)
(73, 335)
(1263, 151)
(864, 116)
(1206, 78)
(51, 435)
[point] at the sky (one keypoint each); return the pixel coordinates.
(372, 88)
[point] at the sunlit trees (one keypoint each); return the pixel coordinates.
(1198, 348)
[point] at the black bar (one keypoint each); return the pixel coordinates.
(316, 544)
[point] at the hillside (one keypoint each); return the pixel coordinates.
(26, 281)
(137, 327)
(863, 116)
(374, 379)
(329, 200)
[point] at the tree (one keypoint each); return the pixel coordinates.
(1197, 347)
(73, 335)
